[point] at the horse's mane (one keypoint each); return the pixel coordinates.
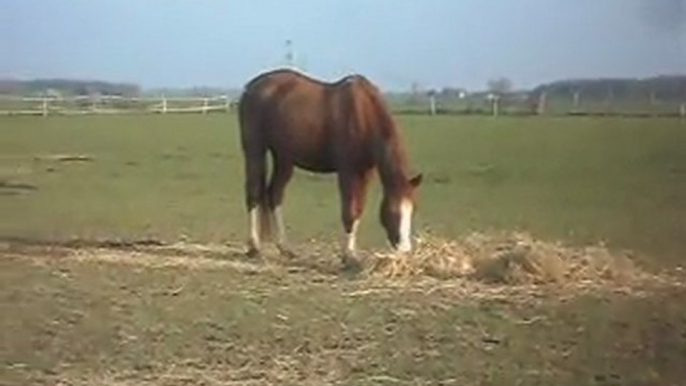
(311, 78)
(391, 157)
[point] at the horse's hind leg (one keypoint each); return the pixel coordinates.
(255, 194)
(283, 171)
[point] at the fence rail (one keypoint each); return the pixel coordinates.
(542, 105)
(85, 105)
(475, 104)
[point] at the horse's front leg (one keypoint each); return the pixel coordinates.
(353, 191)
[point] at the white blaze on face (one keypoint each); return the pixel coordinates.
(405, 244)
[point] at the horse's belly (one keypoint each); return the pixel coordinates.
(307, 147)
(305, 141)
(322, 163)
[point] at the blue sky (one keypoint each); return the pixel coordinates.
(436, 43)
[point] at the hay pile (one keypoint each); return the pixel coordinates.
(506, 259)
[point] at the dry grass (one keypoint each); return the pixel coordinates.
(500, 260)
(148, 313)
(63, 157)
(511, 259)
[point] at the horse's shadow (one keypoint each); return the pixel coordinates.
(324, 261)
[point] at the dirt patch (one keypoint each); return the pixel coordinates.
(17, 185)
(145, 252)
(12, 188)
(65, 157)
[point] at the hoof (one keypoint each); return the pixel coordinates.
(351, 263)
(253, 253)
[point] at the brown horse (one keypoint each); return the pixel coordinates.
(342, 127)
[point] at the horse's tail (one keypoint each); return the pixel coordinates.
(255, 153)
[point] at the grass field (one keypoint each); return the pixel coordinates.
(85, 313)
(580, 180)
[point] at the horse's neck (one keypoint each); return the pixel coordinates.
(391, 164)
(390, 158)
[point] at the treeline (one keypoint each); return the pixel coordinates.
(66, 87)
(197, 91)
(666, 88)
(69, 87)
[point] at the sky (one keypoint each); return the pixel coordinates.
(395, 43)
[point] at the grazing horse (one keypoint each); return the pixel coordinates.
(342, 127)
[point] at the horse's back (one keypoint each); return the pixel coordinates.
(312, 122)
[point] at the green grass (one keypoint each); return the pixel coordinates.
(75, 316)
(622, 181)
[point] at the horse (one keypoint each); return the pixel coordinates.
(341, 127)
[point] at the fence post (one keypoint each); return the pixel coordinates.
(542, 99)
(682, 111)
(205, 105)
(577, 101)
(45, 106)
(652, 102)
(609, 101)
(164, 104)
(496, 104)
(432, 103)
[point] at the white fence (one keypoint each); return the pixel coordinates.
(83, 105)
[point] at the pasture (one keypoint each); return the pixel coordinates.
(83, 303)
(619, 181)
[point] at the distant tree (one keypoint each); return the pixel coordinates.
(415, 92)
(79, 87)
(451, 92)
(671, 87)
(500, 85)
(10, 87)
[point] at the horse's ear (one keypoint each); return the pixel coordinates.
(416, 180)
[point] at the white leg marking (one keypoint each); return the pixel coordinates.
(350, 242)
(254, 219)
(405, 244)
(280, 227)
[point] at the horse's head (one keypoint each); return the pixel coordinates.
(396, 212)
